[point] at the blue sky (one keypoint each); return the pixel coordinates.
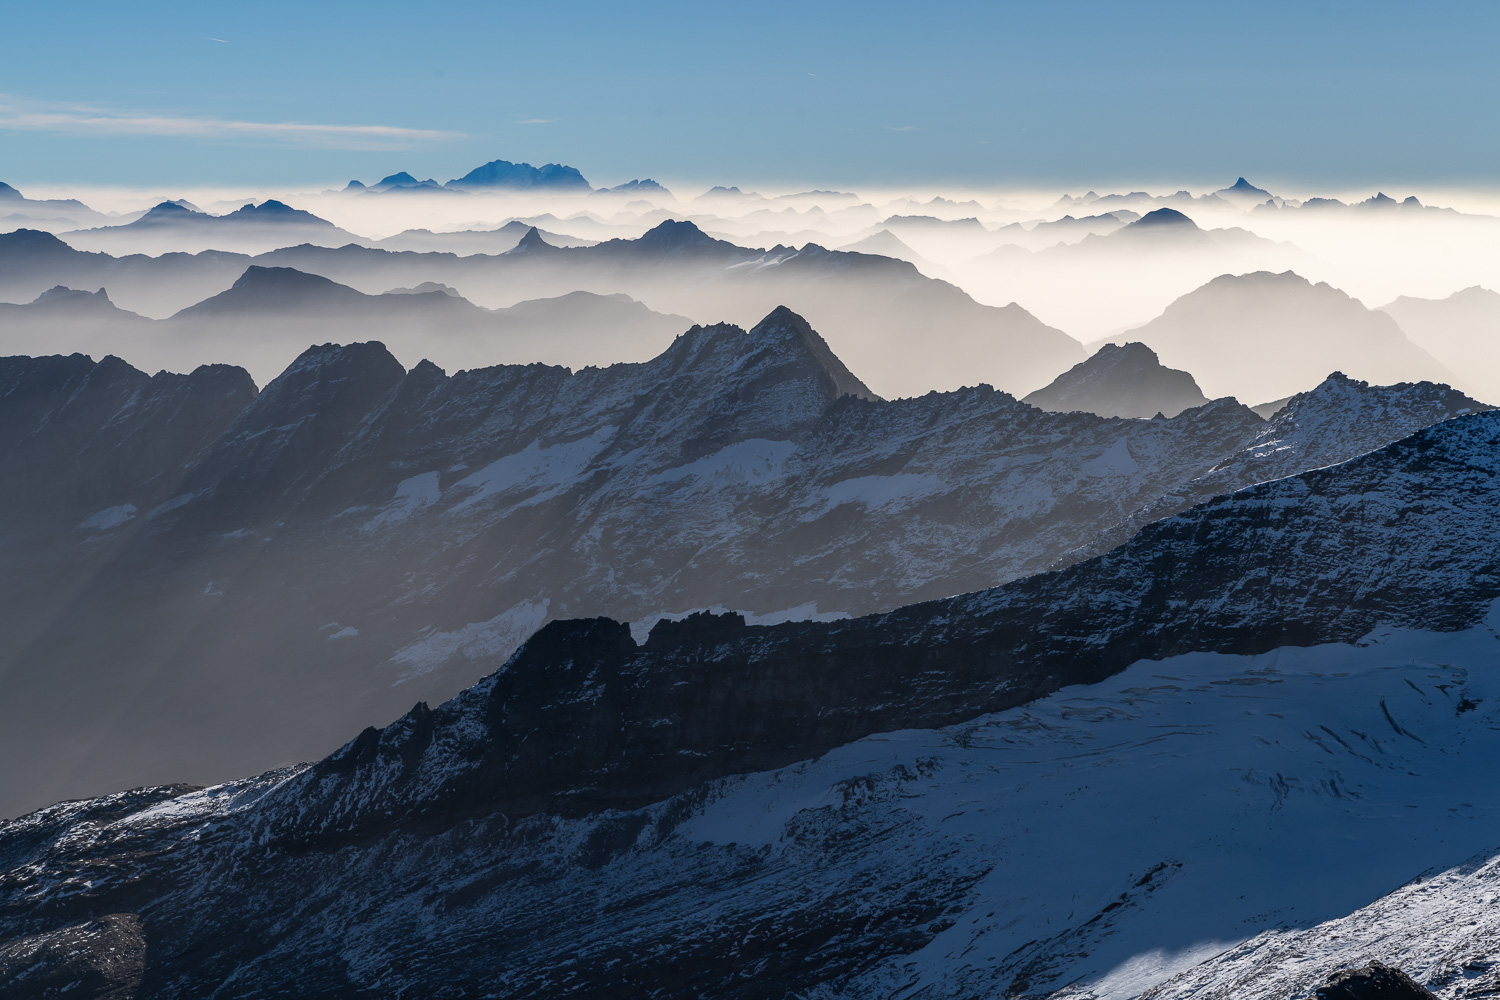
(983, 94)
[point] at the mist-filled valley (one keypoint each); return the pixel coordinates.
(1005, 273)
(536, 588)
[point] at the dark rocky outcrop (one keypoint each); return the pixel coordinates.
(1373, 982)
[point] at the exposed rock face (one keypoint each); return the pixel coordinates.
(407, 529)
(1373, 982)
(1123, 380)
(540, 811)
(581, 719)
(101, 959)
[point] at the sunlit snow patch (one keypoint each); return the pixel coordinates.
(109, 517)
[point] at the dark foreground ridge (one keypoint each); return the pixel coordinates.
(1373, 982)
(582, 719)
(437, 854)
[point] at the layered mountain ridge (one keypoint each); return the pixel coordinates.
(853, 873)
(900, 329)
(408, 527)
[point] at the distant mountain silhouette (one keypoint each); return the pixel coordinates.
(1244, 194)
(1121, 381)
(522, 176)
(904, 332)
(642, 186)
(177, 226)
(1462, 331)
(1264, 336)
(272, 313)
(887, 244)
(472, 241)
(1163, 217)
(16, 209)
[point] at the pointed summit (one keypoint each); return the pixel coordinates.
(783, 325)
(532, 242)
(1125, 380)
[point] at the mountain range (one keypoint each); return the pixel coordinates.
(171, 227)
(1459, 331)
(537, 633)
(501, 175)
(407, 528)
(270, 314)
(1263, 336)
(1254, 704)
(907, 333)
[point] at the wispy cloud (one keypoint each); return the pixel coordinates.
(22, 116)
(535, 121)
(904, 128)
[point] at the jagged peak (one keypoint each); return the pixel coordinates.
(59, 293)
(698, 628)
(531, 242)
(790, 327)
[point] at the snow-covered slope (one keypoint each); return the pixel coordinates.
(1290, 710)
(405, 530)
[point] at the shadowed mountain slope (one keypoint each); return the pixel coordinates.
(578, 812)
(404, 528)
(1121, 381)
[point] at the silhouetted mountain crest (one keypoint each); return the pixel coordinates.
(505, 174)
(675, 234)
(167, 211)
(296, 425)
(62, 293)
(277, 289)
(1121, 381)
(531, 243)
(1163, 218)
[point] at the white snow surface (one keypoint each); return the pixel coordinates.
(1206, 826)
(109, 517)
(493, 638)
(1279, 791)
